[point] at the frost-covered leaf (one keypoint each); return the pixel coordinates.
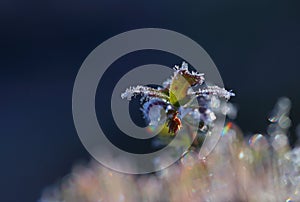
(182, 80)
(145, 91)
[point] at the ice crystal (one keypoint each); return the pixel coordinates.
(215, 91)
(142, 90)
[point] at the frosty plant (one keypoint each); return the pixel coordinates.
(179, 98)
(183, 111)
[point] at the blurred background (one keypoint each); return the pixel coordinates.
(255, 45)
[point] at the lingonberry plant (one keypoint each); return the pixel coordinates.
(185, 94)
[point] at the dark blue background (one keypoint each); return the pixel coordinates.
(255, 44)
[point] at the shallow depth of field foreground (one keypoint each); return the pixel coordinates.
(262, 167)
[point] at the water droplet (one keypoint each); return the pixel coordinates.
(284, 122)
(273, 129)
(284, 103)
(258, 142)
(280, 141)
(273, 117)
